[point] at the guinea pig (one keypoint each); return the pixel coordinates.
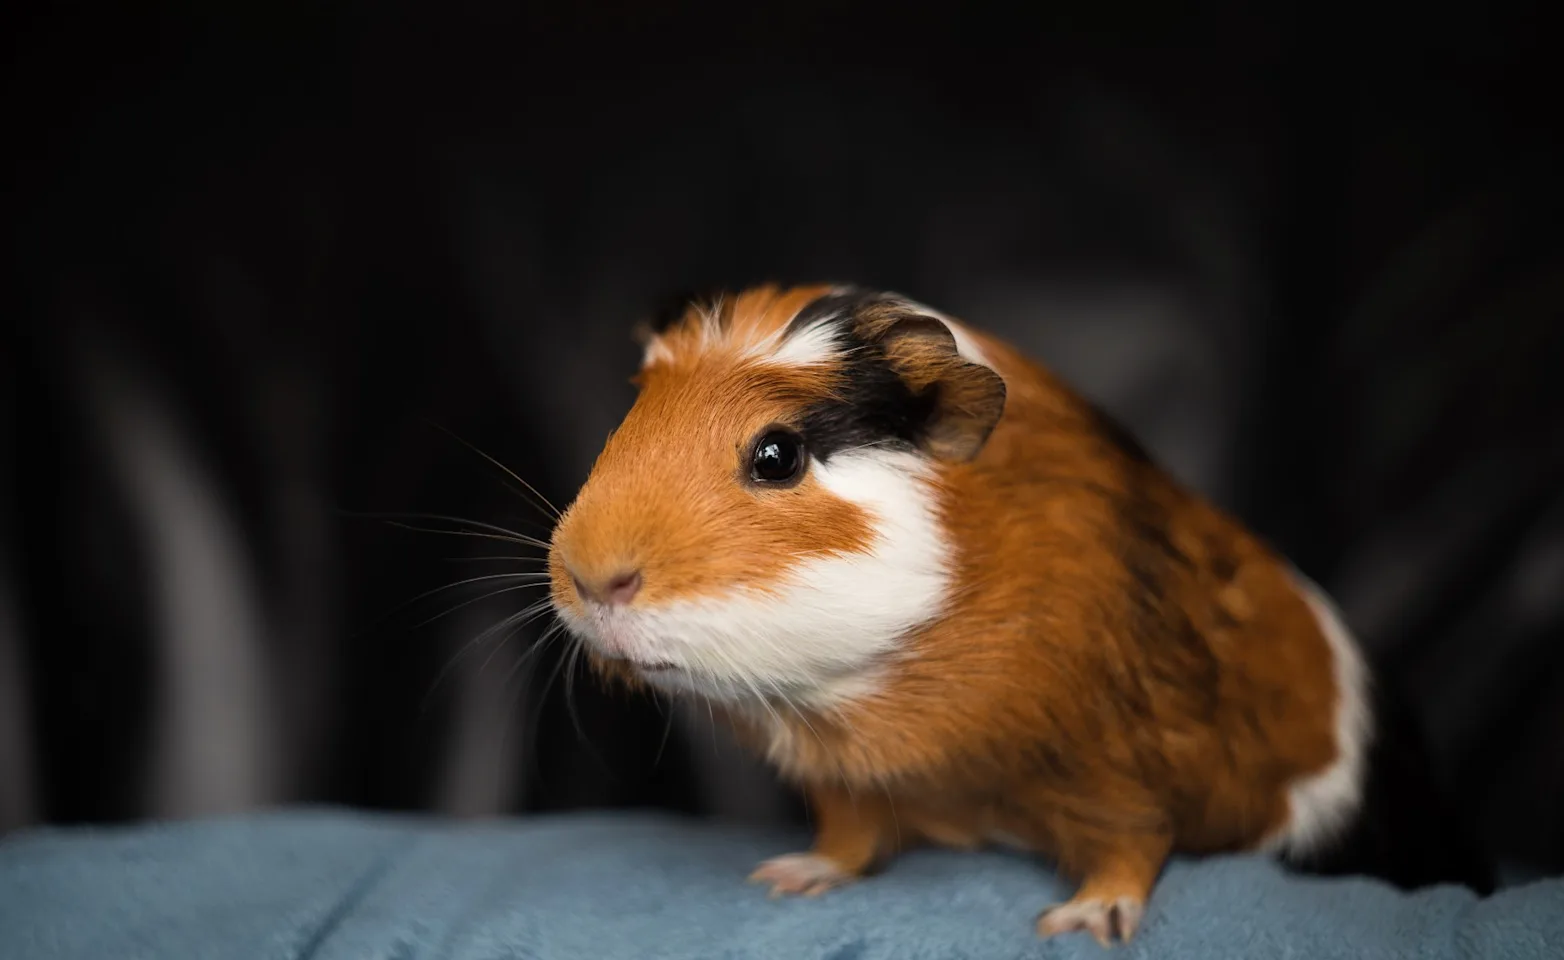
(954, 603)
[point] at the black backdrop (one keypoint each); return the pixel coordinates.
(262, 256)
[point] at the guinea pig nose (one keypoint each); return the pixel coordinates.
(618, 590)
(623, 588)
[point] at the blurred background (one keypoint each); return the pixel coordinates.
(265, 260)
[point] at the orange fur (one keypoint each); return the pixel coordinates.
(747, 318)
(1122, 671)
(673, 506)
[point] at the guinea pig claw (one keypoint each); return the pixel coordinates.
(803, 874)
(1107, 921)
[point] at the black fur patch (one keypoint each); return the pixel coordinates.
(837, 309)
(875, 407)
(1177, 660)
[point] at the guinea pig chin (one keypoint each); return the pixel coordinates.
(734, 649)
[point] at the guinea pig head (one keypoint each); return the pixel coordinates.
(766, 519)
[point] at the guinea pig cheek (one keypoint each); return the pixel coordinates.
(836, 617)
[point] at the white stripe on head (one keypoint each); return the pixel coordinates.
(815, 344)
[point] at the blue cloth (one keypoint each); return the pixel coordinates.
(337, 886)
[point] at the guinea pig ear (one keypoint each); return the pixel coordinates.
(967, 398)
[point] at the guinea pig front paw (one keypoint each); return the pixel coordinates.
(1107, 920)
(807, 874)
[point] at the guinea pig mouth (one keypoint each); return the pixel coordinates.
(656, 666)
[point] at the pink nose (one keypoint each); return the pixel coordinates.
(623, 588)
(619, 590)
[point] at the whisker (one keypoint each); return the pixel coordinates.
(511, 624)
(520, 621)
(554, 631)
(479, 599)
(743, 678)
(799, 713)
(667, 726)
(788, 701)
(552, 510)
(575, 715)
(463, 583)
(499, 532)
(532, 721)
(552, 677)
(547, 530)
(479, 524)
(561, 666)
(458, 533)
(429, 593)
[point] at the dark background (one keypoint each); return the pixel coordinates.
(261, 255)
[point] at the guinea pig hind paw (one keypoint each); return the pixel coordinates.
(1106, 920)
(805, 874)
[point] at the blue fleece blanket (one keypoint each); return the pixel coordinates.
(336, 886)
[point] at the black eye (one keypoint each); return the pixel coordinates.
(778, 457)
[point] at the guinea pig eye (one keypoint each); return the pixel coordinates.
(778, 457)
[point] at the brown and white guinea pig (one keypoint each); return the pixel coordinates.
(955, 604)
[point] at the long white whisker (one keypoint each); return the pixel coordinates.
(479, 599)
(518, 622)
(553, 510)
(667, 727)
(744, 678)
(467, 533)
(799, 713)
(451, 586)
(528, 665)
(480, 525)
(570, 706)
(514, 622)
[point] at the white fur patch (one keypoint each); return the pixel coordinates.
(818, 638)
(815, 344)
(1324, 804)
(656, 352)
